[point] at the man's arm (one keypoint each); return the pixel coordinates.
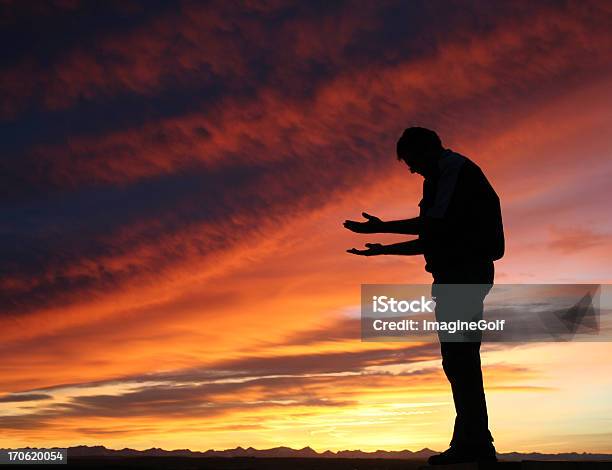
(409, 248)
(375, 225)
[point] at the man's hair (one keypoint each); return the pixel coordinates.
(417, 140)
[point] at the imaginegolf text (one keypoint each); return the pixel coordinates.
(431, 325)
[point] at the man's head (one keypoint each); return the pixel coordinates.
(420, 149)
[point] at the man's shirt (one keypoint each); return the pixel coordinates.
(461, 214)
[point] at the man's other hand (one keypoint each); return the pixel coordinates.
(374, 249)
(372, 225)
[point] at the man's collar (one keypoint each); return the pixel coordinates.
(448, 159)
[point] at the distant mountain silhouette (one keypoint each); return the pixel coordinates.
(101, 451)
(423, 454)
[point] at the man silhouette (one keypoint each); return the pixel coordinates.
(460, 233)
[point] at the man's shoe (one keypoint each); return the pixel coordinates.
(464, 454)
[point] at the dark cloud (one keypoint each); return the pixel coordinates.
(167, 120)
(283, 381)
(45, 241)
(17, 398)
(297, 366)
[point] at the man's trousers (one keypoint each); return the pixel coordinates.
(459, 294)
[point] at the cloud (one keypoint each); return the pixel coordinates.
(574, 240)
(18, 398)
(167, 176)
(310, 381)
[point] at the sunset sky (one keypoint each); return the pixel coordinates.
(173, 181)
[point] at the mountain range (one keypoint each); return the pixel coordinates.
(101, 451)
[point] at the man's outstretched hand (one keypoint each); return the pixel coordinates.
(372, 225)
(374, 249)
